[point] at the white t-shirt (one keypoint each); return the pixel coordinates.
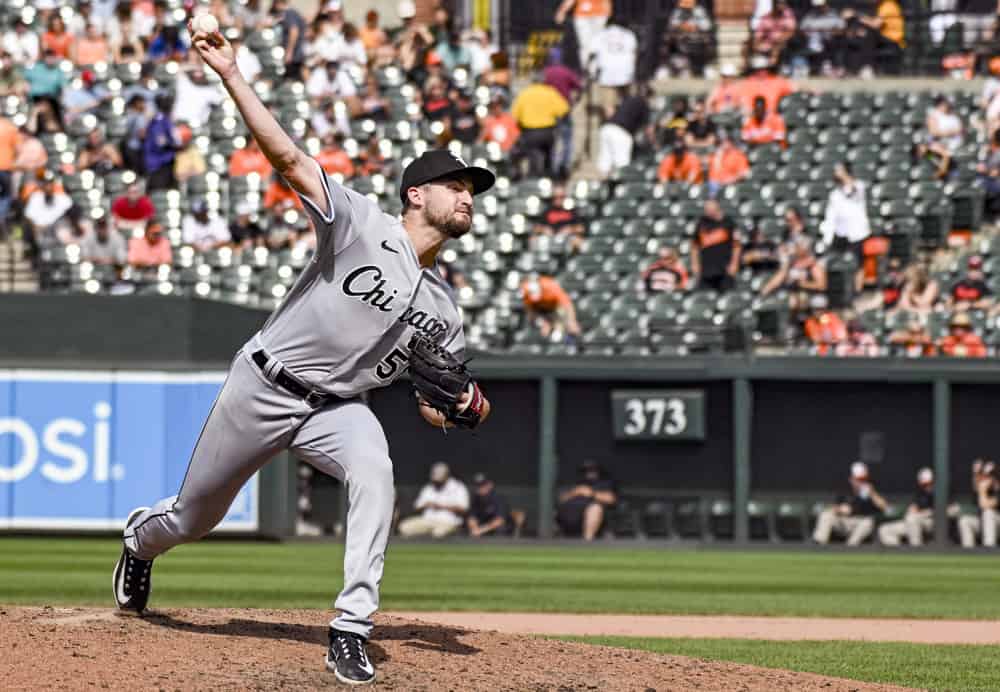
(846, 215)
(194, 102)
(204, 235)
(248, 64)
(23, 48)
(43, 214)
(615, 53)
(321, 86)
(453, 493)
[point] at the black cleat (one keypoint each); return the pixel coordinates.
(131, 578)
(348, 660)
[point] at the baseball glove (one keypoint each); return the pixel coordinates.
(441, 379)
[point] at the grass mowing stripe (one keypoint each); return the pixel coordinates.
(526, 578)
(931, 666)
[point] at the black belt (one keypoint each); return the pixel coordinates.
(284, 379)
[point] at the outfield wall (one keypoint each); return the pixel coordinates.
(772, 427)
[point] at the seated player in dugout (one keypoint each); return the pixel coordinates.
(583, 508)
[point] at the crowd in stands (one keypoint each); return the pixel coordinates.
(756, 195)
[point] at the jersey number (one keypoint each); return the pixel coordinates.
(387, 367)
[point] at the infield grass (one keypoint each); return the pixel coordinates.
(521, 578)
(935, 667)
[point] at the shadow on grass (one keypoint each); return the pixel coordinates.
(428, 637)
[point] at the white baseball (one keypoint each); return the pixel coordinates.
(206, 23)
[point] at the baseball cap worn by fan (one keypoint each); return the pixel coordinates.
(436, 164)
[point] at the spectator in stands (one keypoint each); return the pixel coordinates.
(371, 159)
(919, 292)
(21, 43)
(988, 173)
(583, 507)
(715, 250)
(498, 76)
(845, 224)
(243, 230)
(489, 512)
(859, 342)
(688, 43)
(441, 504)
(56, 38)
(167, 45)
(919, 517)
(589, 18)
(12, 82)
(944, 135)
(613, 61)
(795, 225)
(853, 515)
(680, 166)
(802, 276)
(413, 42)
(763, 126)
(666, 274)
(83, 97)
(194, 97)
(986, 488)
(150, 249)
(499, 125)
(124, 35)
(624, 124)
(822, 28)
(31, 158)
(548, 307)
(725, 96)
(913, 340)
(136, 120)
(332, 157)
(133, 209)
(561, 220)
(893, 282)
(453, 52)
(44, 213)
(673, 125)
(324, 42)
(440, 24)
(875, 43)
(568, 84)
(203, 230)
(701, 134)
(160, 146)
(45, 83)
(9, 141)
(92, 47)
(189, 161)
(246, 60)
(331, 83)
(760, 255)
(279, 196)
(373, 36)
(971, 291)
(774, 31)
(293, 32)
(104, 245)
(537, 111)
(436, 102)
(961, 341)
(98, 154)
(762, 82)
(727, 164)
(465, 124)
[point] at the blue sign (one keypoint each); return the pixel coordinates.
(79, 450)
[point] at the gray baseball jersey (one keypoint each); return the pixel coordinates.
(344, 327)
(345, 324)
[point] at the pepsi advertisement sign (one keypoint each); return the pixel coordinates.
(80, 450)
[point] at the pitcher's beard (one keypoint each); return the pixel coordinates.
(451, 224)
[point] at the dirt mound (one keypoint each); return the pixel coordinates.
(76, 648)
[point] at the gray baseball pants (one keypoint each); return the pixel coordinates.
(251, 421)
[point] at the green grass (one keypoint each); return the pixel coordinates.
(935, 667)
(516, 578)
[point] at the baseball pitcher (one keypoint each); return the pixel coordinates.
(370, 305)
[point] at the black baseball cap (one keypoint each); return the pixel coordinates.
(435, 164)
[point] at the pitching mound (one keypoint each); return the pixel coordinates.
(77, 648)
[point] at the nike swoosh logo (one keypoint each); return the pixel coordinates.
(386, 246)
